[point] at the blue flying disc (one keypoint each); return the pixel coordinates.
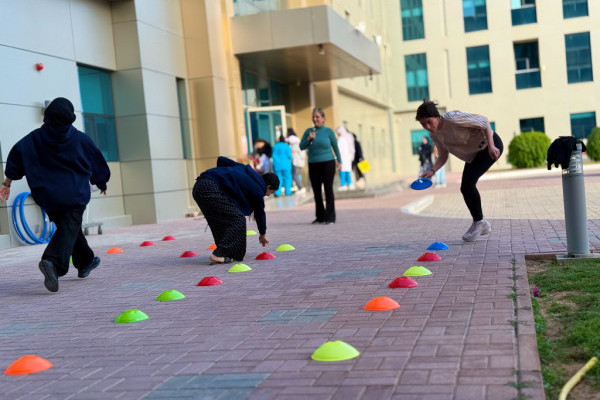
(420, 184)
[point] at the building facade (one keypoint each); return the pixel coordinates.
(165, 86)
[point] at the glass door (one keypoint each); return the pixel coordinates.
(266, 123)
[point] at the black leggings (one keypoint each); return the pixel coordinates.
(322, 174)
(471, 174)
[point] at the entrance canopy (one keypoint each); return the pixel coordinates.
(303, 45)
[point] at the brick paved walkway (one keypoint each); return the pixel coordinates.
(458, 335)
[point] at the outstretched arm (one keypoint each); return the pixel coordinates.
(439, 163)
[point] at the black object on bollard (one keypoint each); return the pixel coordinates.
(566, 151)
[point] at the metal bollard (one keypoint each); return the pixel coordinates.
(575, 209)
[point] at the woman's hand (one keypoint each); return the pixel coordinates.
(427, 174)
(263, 240)
(312, 135)
(338, 166)
(4, 193)
(494, 152)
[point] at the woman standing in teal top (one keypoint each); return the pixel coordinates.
(321, 144)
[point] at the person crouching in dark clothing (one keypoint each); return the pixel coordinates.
(225, 195)
(59, 163)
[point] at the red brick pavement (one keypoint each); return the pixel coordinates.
(458, 335)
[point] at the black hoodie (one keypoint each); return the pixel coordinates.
(58, 161)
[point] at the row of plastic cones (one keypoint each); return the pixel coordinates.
(339, 350)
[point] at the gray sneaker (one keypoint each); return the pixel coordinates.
(487, 227)
(474, 231)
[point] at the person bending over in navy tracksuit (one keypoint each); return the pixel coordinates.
(59, 163)
(225, 195)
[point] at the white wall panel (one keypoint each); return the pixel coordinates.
(92, 33)
(37, 25)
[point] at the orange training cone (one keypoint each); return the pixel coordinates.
(188, 253)
(166, 238)
(381, 304)
(265, 256)
(429, 257)
(28, 364)
(403, 282)
(114, 250)
(212, 246)
(146, 243)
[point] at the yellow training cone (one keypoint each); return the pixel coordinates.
(286, 247)
(129, 316)
(250, 232)
(417, 271)
(169, 295)
(240, 268)
(335, 351)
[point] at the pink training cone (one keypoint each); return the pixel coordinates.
(265, 256)
(188, 253)
(167, 238)
(209, 281)
(429, 257)
(403, 282)
(147, 243)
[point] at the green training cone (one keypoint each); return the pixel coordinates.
(286, 247)
(169, 295)
(416, 270)
(334, 351)
(131, 316)
(240, 268)
(250, 232)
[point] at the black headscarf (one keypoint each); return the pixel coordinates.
(60, 112)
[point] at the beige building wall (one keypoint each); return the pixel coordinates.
(445, 44)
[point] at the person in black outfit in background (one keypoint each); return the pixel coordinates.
(59, 163)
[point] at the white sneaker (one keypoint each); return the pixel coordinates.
(474, 231)
(301, 191)
(342, 188)
(487, 227)
(351, 187)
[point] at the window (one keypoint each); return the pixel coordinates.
(527, 65)
(523, 12)
(416, 76)
(532, 124)
(412, 19)
(575, 8)
(478, 69)
(184, 119)
(579, 57)
(258, 91)
(416, 138)
(582, 124)
(98, 110)
(474, 15)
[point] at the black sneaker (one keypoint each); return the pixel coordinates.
(329, 223)
(84, 272)
(50, 278)
(316, 221)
